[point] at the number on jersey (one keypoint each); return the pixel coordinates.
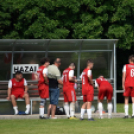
(132, 72)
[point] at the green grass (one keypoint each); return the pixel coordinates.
(65, 126)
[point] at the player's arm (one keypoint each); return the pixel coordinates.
(90, 77)
(58, 76)
(123, 77)
(96, 85)
(123, 80)
(9, 90)
(72, 78)
(45, 72)
(26, 87)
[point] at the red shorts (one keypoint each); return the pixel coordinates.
(18, 94)
(69, 96)
(105, 92)
(88, 98)
(129, 91)
(43, 91)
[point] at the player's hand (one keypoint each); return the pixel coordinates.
(47, 83)
(75, 80)
(8, 98)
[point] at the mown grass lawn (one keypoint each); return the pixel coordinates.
(65, 126)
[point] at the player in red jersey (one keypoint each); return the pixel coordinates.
(68, 91)
(128, 84)
(43, 86)
(17, 88)
(105, 89)
(87, 90)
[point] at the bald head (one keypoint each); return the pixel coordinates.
(57, 62)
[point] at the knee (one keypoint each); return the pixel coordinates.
(26, 95)
(12, 97)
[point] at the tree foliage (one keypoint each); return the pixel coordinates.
(82, 19)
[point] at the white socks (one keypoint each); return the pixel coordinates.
(126, 110)
(82, 112)
(66, 108)
(41, 112)
(100, 108)
(27, 109)
(110, 109)
(15, 110)
(89, 113)
(72, 109)
(132, 109)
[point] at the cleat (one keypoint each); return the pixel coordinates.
(48, 117)
(125, 117)
(109, 117)
(132, 117)
(73, 118)
(81, 119)
(68, 117)
(91, 119)
(42, 117)
(53, 118)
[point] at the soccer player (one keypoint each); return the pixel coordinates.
(17, 88)
(105, 89)
(43, 86)
(68, 91)
(128, 84)
(87, 90)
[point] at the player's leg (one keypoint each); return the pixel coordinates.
(27, 101)
(84, 107)
(66, 104)
(15, 107)
(41, 109)
(72, 100)
(109, 95)
(100, 108)
(100, 99)
(132, 97)
(89, 109)
(127, 93)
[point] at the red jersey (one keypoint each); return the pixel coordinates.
(129, 82)
(40, 75)
(67, 85)
(87, 88)
(102, 82)
(17, 86)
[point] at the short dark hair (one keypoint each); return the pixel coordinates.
(72, 64)
(131, 57)
(89, 61)
(44, 60)
(18, 72)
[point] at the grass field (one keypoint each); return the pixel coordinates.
(65, 126)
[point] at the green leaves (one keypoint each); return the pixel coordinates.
(81, 19)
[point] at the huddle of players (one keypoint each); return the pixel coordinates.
(17, 85)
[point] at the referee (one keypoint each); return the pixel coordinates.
(54, 76)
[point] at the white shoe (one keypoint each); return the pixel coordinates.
(16, 112)
(101, 117)
(27, 111)
(54, 117)
(109, 116)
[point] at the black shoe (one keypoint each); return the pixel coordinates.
(91, 119)
(81, 119)
(132, 117)
(125, 117)
(42, 117)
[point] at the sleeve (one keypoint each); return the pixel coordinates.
(25, 82)
(124, 68)
(58, 74)
(81, 76)
(71, 73)
(45, 71)
(89, 73)
(96, 84)
(10, 84)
